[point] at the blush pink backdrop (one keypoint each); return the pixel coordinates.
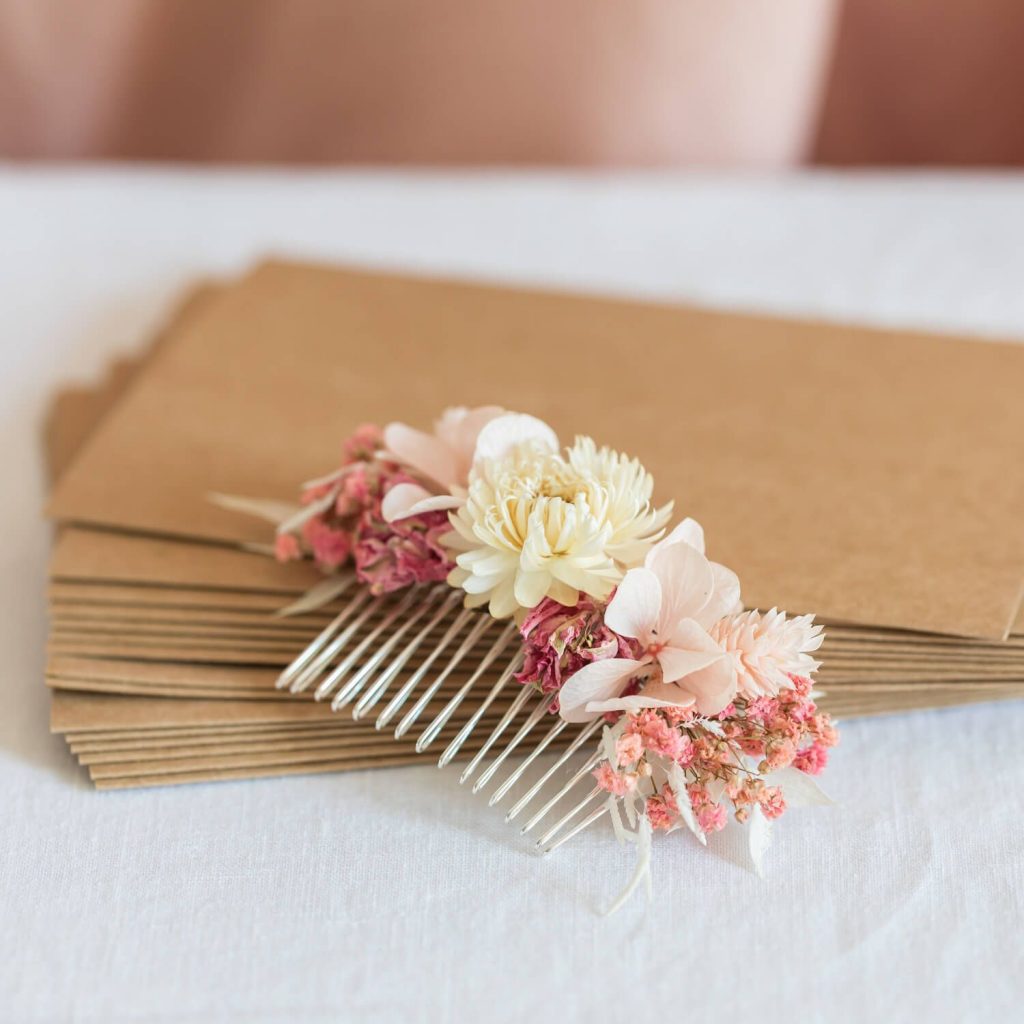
(766, 83)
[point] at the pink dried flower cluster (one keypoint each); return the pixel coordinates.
(560, 640)
(716, 755)
(386, 556)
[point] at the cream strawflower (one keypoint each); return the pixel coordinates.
(537, 523)
(621, 490)
(766, 648)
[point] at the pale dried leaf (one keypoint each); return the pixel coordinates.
(317, 596)
(759, 836)
(268, 509)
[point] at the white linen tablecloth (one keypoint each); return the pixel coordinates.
(395, 895)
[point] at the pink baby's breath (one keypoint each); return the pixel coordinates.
(772, 802)
(812, 761)
(713, 755)
(629, 749)
(616, 783)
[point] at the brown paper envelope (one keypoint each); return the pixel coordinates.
(287, 644)
(205, 654)
(208, 652)
(191, 693)
(962, 662)
(172, 675)
(175, 760)
(288, 639)
(97, 555)
(378, 747)
(75, 712)
(209, 737)
(201, 733)
(337, 725)
(75, 412)
(841, 651)
(99, 599)
(918, 675)
(183, 674)
(71, 712)
(890, 703)
(334, 745)
(199, 605)
(150, 739)
(103, 596)
(201, 692)
(273, 771)
(278, 633)
(910, 636)
(863, 649)
(867, 476)
(173, 633)
(89, 616)
(160, 672)
(195, 738)
(191, 654)
(196, 682)
(837, 689)
(365, 740)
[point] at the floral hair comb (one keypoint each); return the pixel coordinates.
(483, 561)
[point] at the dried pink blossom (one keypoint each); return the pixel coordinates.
(560, 640)
(349, 525)
(390, 556)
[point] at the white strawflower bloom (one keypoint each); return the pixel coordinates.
(766, 648)
(539, 524)
(620, 489)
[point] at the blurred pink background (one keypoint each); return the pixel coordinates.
(646, 83)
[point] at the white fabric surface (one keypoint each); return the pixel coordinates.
(395, 895)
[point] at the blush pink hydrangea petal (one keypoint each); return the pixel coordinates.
(596, 682)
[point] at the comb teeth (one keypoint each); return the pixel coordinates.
(376, 690)
(451, 654)
(398, 700)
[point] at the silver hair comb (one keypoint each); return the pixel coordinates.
(512, 522)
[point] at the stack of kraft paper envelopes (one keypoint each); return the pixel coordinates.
(874, 478)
